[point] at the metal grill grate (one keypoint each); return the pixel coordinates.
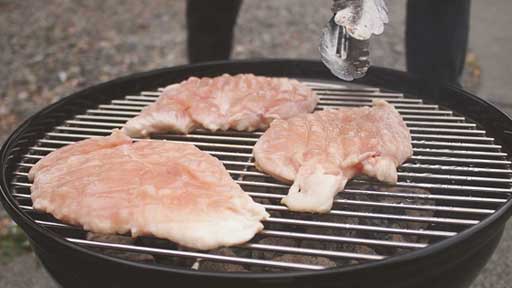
(456, 178)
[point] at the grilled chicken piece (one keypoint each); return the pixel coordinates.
(243, 102)
(320, 152)
(164, 189)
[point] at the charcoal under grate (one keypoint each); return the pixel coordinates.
(456, 178)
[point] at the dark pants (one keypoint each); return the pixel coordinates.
(437, 34)
(210, 27)
(437, 38)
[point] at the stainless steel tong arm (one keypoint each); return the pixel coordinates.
(344, 47)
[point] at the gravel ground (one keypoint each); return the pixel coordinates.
(47, 52)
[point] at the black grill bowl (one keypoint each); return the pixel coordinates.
(453, 262)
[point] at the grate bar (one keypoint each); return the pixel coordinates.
(248, 139)
(20, 195)
(249, 147)
(142, 98)
(426, 196)
(55, 224)
(411, 124)
(343, 103)
(460, 160)
(365, 215)
(385, 216)
(356, 241)
(112, 112)
(149, 100)
(334, 225)
(120, 107)
(21, 184)
(324, 100)
(412, 129)
(109, 108)
(452, 137)
(323, 85)
(101, 124)
(388, 194)
(320, 92)
(195, 255)
(418, 123)
(294, 235)
(131, 102)
(427, 117)
(313, 252)
(456, 144)
(51, 141)
(402, 184)
(98, 117)
(405, 112)
(21, 174)
(215, 153)
(454, 177)
(406, 165)
(388, 205)
(404, 174)
(449, 124)
(455, 187)
(444, 130)
(255, 135)
(456, 168)
(405, 117)
(361, 227)
(222, 153)
(322, 97)
(372, 95)
(417, 207)
(326, 86)
(348, 202)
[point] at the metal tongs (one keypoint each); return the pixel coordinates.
(345, 42)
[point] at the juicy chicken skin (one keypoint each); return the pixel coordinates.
(320, 152)
(243, 102)
(164, 189)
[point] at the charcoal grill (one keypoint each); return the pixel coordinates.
(436, 228)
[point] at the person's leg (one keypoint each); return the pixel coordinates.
(437, 38)
(210, 27)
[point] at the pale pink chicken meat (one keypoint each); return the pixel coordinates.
(155, 188)
(320, 152)
(243, 102)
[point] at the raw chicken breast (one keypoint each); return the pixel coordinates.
(79, 148)
(242, 102)
(320, 152)
(168, 190)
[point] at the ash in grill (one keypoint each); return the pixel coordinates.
(456, 178)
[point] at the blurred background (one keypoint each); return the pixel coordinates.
(52, 48)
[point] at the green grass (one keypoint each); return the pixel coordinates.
(13, 241)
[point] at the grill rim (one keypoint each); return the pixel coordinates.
(375, 77)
